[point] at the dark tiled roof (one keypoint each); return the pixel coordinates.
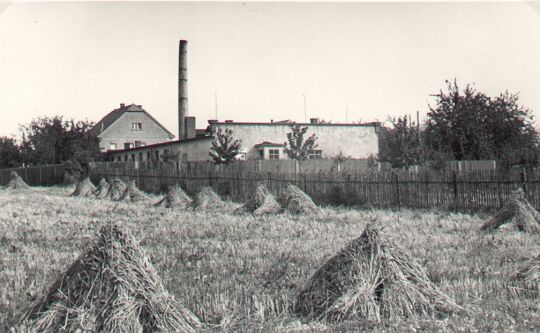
(159, 145)
(284, 122)
(268, 144)
(113, 116)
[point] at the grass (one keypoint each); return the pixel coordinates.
(241, 273)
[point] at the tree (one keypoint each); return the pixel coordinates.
(300, 149)
(469, 125)
(224, 147)
(10, 155)
(52, 140)
(400, 143)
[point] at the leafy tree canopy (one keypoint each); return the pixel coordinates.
(297, 148)
(225, 148)
(10, 156)
(52, 140)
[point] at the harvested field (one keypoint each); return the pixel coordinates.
(242, 273)
(175, 198)
(262, 202)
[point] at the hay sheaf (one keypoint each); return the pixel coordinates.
(16, 182)
(207, 199)
(84, 188)
(371, 279)
(133, 194)
(296, 201)
(102, 189)
(112, 287)
(262, 202)
(116, 190)
(175, 198)
(518, 214)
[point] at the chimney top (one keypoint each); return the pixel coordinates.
(212, 121)
(228, 121)
(314, 120)
(122, 105)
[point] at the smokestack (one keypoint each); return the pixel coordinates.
(182, 90)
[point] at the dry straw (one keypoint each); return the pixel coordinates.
(133, 194)
(112, 287)
(16, 182)
(175, 198)
(517, 214)
(207, 199)
(102, 189)
(371, 279)
(262, 202)
(296, 201)
(116, 190)
(530, 274)
(84, 188)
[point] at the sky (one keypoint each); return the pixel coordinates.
(347, 61)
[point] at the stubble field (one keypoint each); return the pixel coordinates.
(240, 273)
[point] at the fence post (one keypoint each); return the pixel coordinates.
(26, 175)
(523, 175)
(40, 178)
(454, 189)
(396, 179)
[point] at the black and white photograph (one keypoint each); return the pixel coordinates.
(215, 166)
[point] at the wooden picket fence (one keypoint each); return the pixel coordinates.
(41, 175)
(468, 191)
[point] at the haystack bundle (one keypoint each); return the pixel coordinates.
(175, 198)
(262, 202)
(517, 214)
(84, 188)
(116, 190)
(296, 201)
(207, 199)
(102, 189)
(133, 194)
(530, 274)
(112, 287)
(371, 279)
(16, 182)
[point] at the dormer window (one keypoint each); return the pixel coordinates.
(136, 126)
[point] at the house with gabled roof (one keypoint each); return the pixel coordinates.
(128, 127)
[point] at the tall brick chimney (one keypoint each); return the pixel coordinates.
(182, 90)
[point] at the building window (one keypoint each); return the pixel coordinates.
(315, 154)
(136, 126)
(139, 144)
(128, 145)
(157, 155)
(140, 157)
(133, 157)
(119, 158)
(112, 146)
(125, 158)
(273, 154)
(148, 158)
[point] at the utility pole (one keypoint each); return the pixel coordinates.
(346, 114)
(215, 100)
(305, 109)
